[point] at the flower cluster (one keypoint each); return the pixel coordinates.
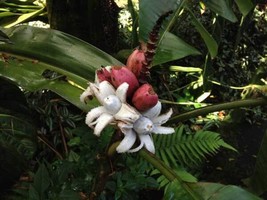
(127, 102)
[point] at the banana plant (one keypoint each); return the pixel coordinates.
(35, 51)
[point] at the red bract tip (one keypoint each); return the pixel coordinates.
(120, 75)
(135, 62)
(144, 97)
(103, 75)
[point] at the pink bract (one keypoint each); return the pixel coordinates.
(144, 97)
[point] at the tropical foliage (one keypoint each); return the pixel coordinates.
(43, 138)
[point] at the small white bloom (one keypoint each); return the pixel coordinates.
(114, 106)
(150, 122)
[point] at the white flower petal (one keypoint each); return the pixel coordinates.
(127, 142)
(103, 90)
(153, 112)
(148, 142)
(102, 122)
(127, 114)
(162, 118)
(87, 94)
(137, 148)
(163, 130)
(93, 114)
(121, 92)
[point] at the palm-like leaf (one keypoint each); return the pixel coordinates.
(37, 50)
(188, 149)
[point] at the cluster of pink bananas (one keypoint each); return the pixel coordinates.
(128, 103)
(127, 100)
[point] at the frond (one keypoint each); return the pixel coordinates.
(181, 148)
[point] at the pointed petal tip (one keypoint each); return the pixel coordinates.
(153, 112)
(163, 118)
(127, 142)
(102, 122)
(121, 92)
(148, 143)
(163, 130)
(86, 95)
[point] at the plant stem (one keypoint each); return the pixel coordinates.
(218, 107)
(167, 172)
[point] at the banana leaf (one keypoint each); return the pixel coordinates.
(35, 51)
(222, 8)
(244, 6)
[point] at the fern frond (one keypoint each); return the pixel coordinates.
(181, 148)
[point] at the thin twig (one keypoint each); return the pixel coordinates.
(62, 132)
(50, 147)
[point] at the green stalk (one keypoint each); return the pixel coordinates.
(167, 172)
(218, 107)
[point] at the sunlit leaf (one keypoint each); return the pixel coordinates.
(25, 17)
(173, 48)
(222, 8)
(245, 6)
(185, 69)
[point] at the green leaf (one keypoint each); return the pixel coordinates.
(4, 37)
(222, 8)
(25, 17)
(174, 191)
(245, 6)
(67, 55)
(207, 191)
(29, 75)
(37, 50)
(69, 195)
(206, 36)
(41, 180)
(214, 191)
(173, 48)
(258, 181)
(185, 69)
(73, 157)
(150, 11)
(33, 194)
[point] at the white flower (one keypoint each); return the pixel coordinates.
(115, 110)
(113, 103)
(150, 122)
